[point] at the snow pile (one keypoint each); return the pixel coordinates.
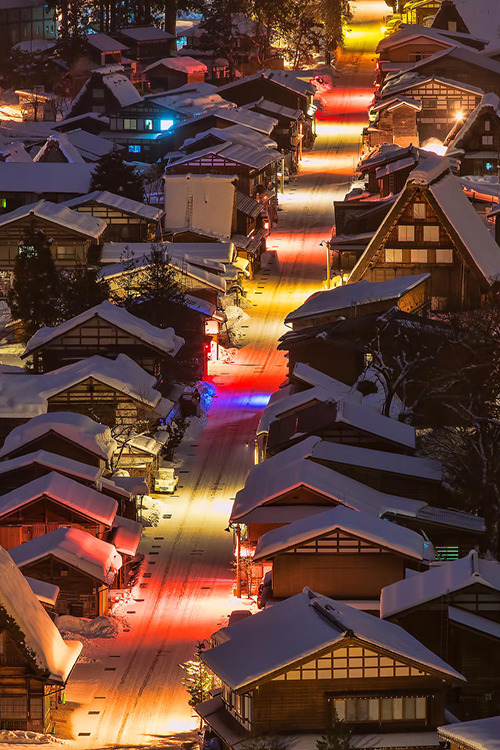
(99, 627)
(151, 511)
(22, 737)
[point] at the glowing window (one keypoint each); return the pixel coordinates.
(444, 255)
(419, 210)
(393, 256)
(166, 124)
(431, 233)
(148, 124)
(418, 255)
(406, 233)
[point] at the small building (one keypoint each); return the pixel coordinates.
(478, 19)
(379, 680)
(74, 236)
(420, 12)
(147, 43)
(106, 330)
(51, 502)
(288, 133)
(344, 553)
(476, 142)
(433, 228)
(83, 567)
(58, 149)
(480, 734)
(68, 434)
(23, 183)
(200, 203)
(172, 72)
(35, 660)
(409, 294)
(104, 50)
(107, 90)
(449, 18)
(455, 610)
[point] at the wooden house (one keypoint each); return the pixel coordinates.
(436, 101)
(409, 294)
(112, 391)
(83, 567)
(344, 553)
(476, 142)
(448, 18)
(106, 330)
(393, 119)
(74, 436)
(173, 72)
(141, 127)
(433, 228)
(455, 610)
(74, 237)
(106, 90)
(28, 20)
(147, 43)
(384, 170)
(58, 149)
(126, 219)
(469, 735)
(420, 12)
(35, 662)
(104, 50)
(288, 133)
(378, 680)
(23, 183)
(292, 485)
(51, 502)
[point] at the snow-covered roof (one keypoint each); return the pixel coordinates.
(276, 110)
(242, 116)
(111, 200)
(115, 80)
(133, 485)
(382, 533)
(92, 147)
(358, 293)
(104, 43)
(164, 340)
(254, 649)
(146, 34)
(62, 142)
(472, 621)
(184, 64)
(78, 428)
(44, 177)
(126, 535)
(201, 202)
(411, 79)
(35, 634)
(14, 151)
(446, 579)
(292, 469)
(249, 156)
(291, 79)
(224, 252)
(46, 593)
(65, 491)
(84, 224)
(490, 102)
(27, 395)
(74, 547)
(480, 734)
(480, 17)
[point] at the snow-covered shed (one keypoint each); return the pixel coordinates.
(454, 243)
(479, 734)
(342, 552)
(290, 684)
(125, 218)
(83, 567)
(408, 293)
(28, 634)
(106, 330)
(69, 434)
(49, 502)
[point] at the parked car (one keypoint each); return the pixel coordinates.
(166, 481)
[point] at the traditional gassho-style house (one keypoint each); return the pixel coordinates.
(409, 294)
(393, 120)
(52, 501)
(75, 237)
(35, 662)
(344, 553)
(455, 610)
(106, 330)
(107, 90)
(480, 734)
(68, 434)
(292, 485)
(381, 681)
(126, 219)
(476, 142)
(115, 391)
(83, 567)
(433, 228)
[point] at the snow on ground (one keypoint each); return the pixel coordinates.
(23, 739)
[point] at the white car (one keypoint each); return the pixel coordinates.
(166, 481)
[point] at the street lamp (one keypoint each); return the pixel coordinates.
(325, 243)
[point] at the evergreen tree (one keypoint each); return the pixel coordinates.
(338, 738)
(80, 290)
(115, 175)
(35, 292)
(158, 285)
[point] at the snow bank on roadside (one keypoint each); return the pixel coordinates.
(22, 738)
(99, 627)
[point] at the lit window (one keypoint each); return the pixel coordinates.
(431, 233)
(418, 256)
(487, 126)
(444, 255)
(3, 202)
(489, 166)
(406, 233)
(134, 148)
(148, 124)
(419, 210)
(487, 140)
(166, 124)
(393, 256)
(129, 124)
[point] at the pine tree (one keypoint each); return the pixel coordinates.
(198, 682)
(115, 175)
(35, 292)
(158, 286)
(338, 738)
(80, 290)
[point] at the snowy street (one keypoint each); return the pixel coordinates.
(127, 691)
